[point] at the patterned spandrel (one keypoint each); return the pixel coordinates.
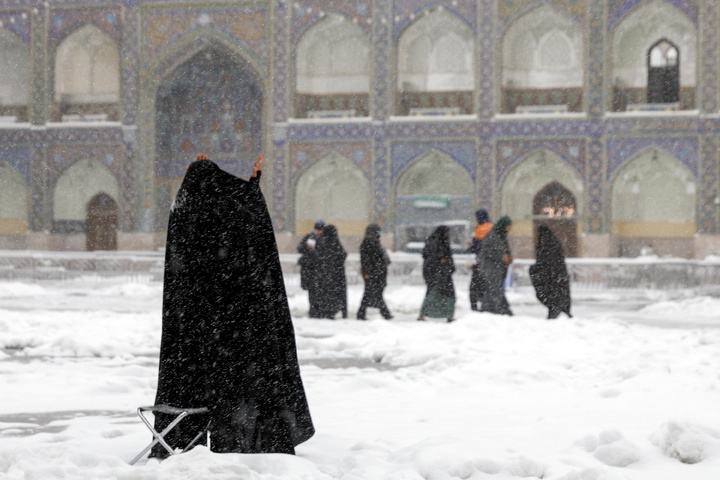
(620, 150)
(19, 22)
(405, 12)
(210, 104)
(63, 21)
(306, 12)
(617, 9)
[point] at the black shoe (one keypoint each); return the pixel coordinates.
(450, 320)
(388, 317)
(420, 319)
(360, 318)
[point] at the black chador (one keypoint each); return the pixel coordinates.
(329, 282)
(374, 266)
(227, 338)
(549, 275)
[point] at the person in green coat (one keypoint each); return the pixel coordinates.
(438, 267)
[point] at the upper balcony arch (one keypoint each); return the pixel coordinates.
(633, 38)
(543, 67)
(435, 65)
(86, 74)
(333, 68)
(14, 82)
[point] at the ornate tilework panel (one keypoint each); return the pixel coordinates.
(572, 150)
(486, 58)
(127, 185)
(485, 173)
(709, 58)
(595, 185)
(649, 126)
(508, 10)
(18, 156)
(129, 59)
(306, 12)
(247, 26)
(303, 154)
(281, 48)
(622, 150)
(618, 8)
(708, 186)
(381, 197)
(64, 20)
(405, 11)
(279, 187)
(402, 153)
(39, 189)
(595, 62)
(381, 102)
(18, 22)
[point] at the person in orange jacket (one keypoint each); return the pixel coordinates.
(481, 229)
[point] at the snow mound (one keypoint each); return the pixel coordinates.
(18, 289)
(697, 306)
(611, 448)
(687, 442)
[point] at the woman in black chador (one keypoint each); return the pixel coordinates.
(438, 267)
(329, 281)
(549, 275)
(227, 338)
(373, 265)
(493, 261)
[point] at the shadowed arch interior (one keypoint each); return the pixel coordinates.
(14, 200)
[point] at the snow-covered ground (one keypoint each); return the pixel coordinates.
(628, 389)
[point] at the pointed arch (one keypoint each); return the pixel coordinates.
(332, 69)
(75, 187)
(653, 195)
(14, 201)
(524, 180)
(14, 81)
(86, 75)
(336, 190)
(421, 176)
(435, 65)
(543, 60)
(631, 40)
(433, 189)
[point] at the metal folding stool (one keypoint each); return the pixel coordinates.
(160, 437)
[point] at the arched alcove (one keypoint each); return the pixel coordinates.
(522, 183)
(653, 195)
(87, 75)
(633, 39)
(435, 66)
(74, 189)
(14, 200)
(433, 190)
(14, 81)
(332, 70)
(543, 62)
(210, 103)
(335, 190)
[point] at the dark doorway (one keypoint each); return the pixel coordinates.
(102, 223)
(663, 60)
(555, 206)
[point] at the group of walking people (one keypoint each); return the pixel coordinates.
(322, 271)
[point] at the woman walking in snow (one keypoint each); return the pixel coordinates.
(438, 267)
(493, 261)
(549, 275)
(329, 280)
(373, 265)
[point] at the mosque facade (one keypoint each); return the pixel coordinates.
(599, 118)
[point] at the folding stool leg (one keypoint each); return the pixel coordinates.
(158, 437)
